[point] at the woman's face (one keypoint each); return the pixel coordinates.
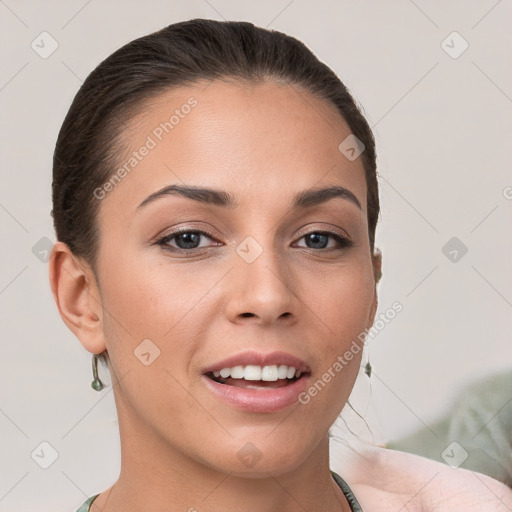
(269, 276)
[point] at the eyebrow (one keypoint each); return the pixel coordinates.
(304, 199)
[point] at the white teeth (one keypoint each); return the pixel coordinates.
(253, 372)
(269, 373)
(237, 372)
(283, 371)
(225, 372)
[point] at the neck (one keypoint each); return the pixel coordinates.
(156, 475)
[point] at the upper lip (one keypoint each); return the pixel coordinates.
(257, 358)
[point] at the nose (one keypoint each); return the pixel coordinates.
(261, 286)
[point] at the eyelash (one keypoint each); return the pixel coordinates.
(342, 240)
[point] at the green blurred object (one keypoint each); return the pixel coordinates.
(480, 421)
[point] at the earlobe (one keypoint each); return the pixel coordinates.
(377, 264)
(377, 274)
(77, 297)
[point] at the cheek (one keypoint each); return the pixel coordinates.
(148, 299)
(152, 325)
(341, 302)
(156, 308)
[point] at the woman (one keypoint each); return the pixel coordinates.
(215, 201)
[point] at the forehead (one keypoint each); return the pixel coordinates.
(261, 142)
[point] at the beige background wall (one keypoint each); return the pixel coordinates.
(443, 126)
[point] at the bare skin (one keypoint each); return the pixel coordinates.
(263, 144)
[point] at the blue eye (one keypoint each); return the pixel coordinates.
(322, 237)
(188, 240)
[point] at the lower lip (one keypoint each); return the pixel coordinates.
(259, 400)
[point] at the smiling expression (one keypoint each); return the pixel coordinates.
(263, 262)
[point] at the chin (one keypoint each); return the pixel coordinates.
(258, 459)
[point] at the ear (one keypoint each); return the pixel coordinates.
(77, 296)
(377, 264)
(377, 273)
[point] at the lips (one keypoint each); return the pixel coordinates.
(260, 400)
(258, 382)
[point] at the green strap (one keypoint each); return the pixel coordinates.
(347, 491)
(87, 505)
(354, 504)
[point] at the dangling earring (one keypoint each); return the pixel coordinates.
(368, 369)
(96, 383)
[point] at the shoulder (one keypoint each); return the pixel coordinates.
(395, 479)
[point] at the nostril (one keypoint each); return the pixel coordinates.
(247, 314)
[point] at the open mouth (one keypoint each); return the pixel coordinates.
(256, 384)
